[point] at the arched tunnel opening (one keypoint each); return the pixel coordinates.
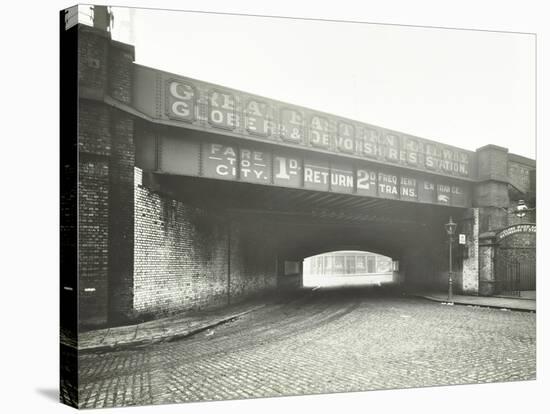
(346, 268)
(247, 239)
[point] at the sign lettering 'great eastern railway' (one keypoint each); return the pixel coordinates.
(194, 104)
(262, 164)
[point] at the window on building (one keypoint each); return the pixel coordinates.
(371, 264)
(338, 264)
(360, 265)
(350, 265)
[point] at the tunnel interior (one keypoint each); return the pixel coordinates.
(346, 268)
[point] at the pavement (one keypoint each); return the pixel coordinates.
(526, 302)
(190, 323)
(170, 328)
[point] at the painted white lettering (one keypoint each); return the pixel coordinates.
(216, 116)
(295, 118)
(181, 91)
(229, 151)
(215, 149)
(282, 173)
(254, 108)
(308, 174)
(222, 169)
(231, 119)
(181, 108)
(251, 124)
(228, 102)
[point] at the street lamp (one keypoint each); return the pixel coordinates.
(450, 228)
(521, 209)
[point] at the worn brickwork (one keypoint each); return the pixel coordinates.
(487, 281)
(94, 130)
(253, 258)
(519, 175)
(492, 163)
(491, 194)
(470, 263)
(181, 256)
(520, 248)
(94, 148)
(93, 53)
(121, 218)
(105, 180)
(93, 230)
(120, 72)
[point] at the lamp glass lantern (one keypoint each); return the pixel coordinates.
(521, 209)
(450, 227)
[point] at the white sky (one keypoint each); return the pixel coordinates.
(463, 88)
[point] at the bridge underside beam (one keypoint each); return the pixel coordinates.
(302, 204)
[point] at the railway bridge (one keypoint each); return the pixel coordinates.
(193, 195)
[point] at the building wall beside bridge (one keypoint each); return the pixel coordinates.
(143, 253)
(187, 257)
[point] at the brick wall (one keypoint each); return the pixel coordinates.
(121, 69)
(106, 162)
(253, 259)
(94, 131)
(92, 59)
(470, 264)
(105, 179)
(93, 230)
(181, 256)
(121, 217)
(94, 148)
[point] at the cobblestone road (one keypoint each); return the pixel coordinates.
(335, 341)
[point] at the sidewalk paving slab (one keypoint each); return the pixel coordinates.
(499, 302)
(149, 332)
(169, 328)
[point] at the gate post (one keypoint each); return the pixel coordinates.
(487, 264)
(470, 261)
(491, 196)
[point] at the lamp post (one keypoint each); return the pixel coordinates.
(450, 228)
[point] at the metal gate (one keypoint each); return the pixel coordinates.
(514, 274)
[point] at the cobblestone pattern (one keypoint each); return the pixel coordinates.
(335, 342)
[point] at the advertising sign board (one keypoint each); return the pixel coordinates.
(261, 164)
(187, 103)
